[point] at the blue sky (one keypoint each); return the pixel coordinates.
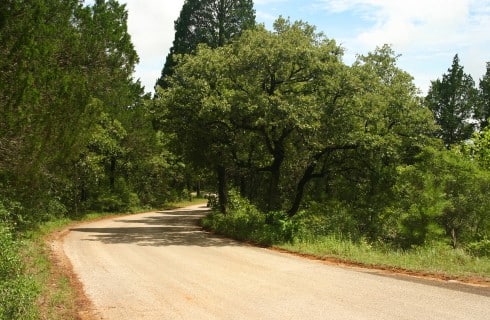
(427, 33)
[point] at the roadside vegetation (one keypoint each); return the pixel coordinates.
(302, 150)
(308, 234)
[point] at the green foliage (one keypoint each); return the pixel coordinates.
(278, 109)
(17, 290)
(245, 222)
(327, 218)
(443, 192)
(211, 22)
(421, 204)
(483, 110)
(75, 130)
(453, 100)
(479, 148)
(479, 248)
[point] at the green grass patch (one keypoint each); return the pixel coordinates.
(184, 203)
(56, 298)
(18, 288)
(435, 259)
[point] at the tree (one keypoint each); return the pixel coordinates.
(479, 148)
(213, 22)
(385, 125)
(274, 107)
(243, 103)
(62, 65)
(452, 100)
(445, 193)
(484, 99)
(42, 100)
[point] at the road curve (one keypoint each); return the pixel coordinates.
(162, 266)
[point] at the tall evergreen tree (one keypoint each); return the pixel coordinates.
(64, 67)
(484, 99)
(453, 102)
(213, 22)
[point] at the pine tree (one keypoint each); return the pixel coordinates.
(453, 102)
(484, 99)
(213, 22)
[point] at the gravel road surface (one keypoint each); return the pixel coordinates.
(162, 266)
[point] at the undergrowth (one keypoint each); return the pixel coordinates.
(246, 223)
(18, 289)
(310, 234)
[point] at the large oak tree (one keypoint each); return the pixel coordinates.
(273, 107)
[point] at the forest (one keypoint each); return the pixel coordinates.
(295, 143)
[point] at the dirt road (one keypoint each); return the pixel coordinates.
(162, 266)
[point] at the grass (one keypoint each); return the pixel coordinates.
(302, 236)
(18, 290)
(438, 259)
(56, 299)
(181, 204)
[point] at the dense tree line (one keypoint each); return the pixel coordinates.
(273, 115)
(75, 133)
(293, 140)
(279, 117)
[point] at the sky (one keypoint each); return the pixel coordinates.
(426, 33)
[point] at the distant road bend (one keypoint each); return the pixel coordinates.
(161, 265)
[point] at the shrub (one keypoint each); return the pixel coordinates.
(479, 248)
(327, 218)
(17, 290)
(245, 222)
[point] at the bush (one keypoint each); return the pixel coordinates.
(17, 290)
(119, 200)
(480, 248)
(328, 218)
(246, 223)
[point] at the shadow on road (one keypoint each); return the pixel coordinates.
(163, 228)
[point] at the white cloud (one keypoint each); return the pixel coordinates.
(424, 29)
(404, 23)
(266, 2)
(151, 25)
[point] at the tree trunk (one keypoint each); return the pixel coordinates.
(454, 240)
(112, 174)
(274, 195)
(300, 189)
(198, 189)
(222, 189)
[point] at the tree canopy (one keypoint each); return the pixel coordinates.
(452, 99)
(69, 109)
(274, 117)
(273, 107)
(483, 111)
(213, 22)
